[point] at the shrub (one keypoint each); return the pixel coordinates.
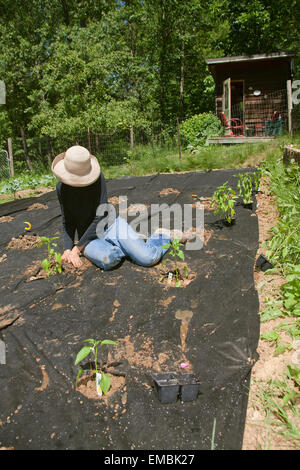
(196, 130)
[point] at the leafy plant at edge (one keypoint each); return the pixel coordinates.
(92, 347)
(279, 399)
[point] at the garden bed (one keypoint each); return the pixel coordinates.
(211, 325)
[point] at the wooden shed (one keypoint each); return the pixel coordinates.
(253, 94)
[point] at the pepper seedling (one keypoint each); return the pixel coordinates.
(223, 200)
(102, 380)
(176, 252)
(47, 263)
(244, 186)
(256, 177)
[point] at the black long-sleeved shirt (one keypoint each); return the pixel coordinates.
(78, 210)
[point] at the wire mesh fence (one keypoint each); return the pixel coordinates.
(111, 148)
(4, 164)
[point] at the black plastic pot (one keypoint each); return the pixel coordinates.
(263, 263)
(189, 387)
(167, 386)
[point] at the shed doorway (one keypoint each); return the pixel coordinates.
(237, 99)
(233, 101)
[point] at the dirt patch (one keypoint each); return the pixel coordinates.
(162, 274)
(203, 201)
(87, 386)
(166, 302)
(6, 218)
(45, 380)
(35, 271)
(33, 192)
(24, 242)
(166, 191)
(192, 233)
(139, 353)
(116, 306)
(8, 315)
(36, 206)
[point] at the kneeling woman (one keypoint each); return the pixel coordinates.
(81, 191)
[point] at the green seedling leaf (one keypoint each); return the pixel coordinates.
(178, 283)
(92, 341)
(46, 265)
(83, 353)
(105, 383)
(108, 341)
(280, 349)
(186, 271)
(294, 372)
(78, 376)
(164, 247)
(58, 257)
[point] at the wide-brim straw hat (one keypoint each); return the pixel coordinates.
(76, 167)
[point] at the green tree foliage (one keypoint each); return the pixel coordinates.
(112, 64)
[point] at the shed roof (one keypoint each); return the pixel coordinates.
(248, 58)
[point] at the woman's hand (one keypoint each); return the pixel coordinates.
(66, 256)
(72, 257)
(75, 260)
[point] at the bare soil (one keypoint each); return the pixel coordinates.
(167, 191)
(37, 206)
(6, 218)
(24, 242)
(87, 386)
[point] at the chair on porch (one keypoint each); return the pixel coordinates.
(233, 124)
(262, 126)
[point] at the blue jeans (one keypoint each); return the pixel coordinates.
(120, 241)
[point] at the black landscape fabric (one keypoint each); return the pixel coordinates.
(43, 322)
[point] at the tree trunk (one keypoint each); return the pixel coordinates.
(181, 82)
(28, 161)
(179, 140)
(65, 12)
(50, 154)
(131, 138)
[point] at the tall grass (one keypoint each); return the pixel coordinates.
(145, 160)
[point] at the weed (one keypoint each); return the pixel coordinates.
(279, 400)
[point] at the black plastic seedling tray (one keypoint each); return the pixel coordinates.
(167, 387)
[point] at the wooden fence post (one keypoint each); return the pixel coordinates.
(11, 157)
(89, 140)
(290, 106)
